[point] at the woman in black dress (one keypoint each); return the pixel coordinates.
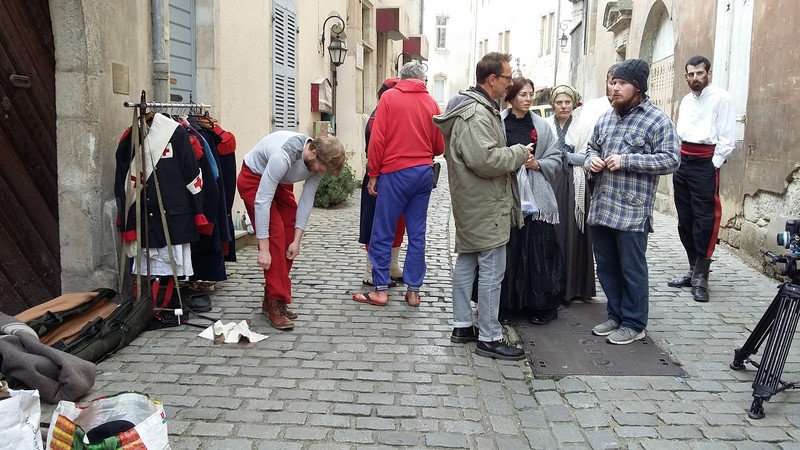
(533, 279)
(573, 198)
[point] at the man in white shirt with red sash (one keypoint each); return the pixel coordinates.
(706, 129)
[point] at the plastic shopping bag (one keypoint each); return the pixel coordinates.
(19, 420)
(526, 192)
(129, 420)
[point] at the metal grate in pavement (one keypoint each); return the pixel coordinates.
(566, 346)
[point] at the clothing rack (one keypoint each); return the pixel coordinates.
(144, 104)
(202, 107)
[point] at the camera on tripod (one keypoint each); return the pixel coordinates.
(791, 237)
(777, 326)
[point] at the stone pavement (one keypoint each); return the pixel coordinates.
(360, 376)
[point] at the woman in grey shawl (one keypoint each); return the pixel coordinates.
(533, 280)
(573, 200)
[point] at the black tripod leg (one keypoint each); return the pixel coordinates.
(756, 410)
(756, 338)
(776, 352)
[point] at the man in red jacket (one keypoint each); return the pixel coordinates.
(403, 143)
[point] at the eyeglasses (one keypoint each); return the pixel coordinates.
(507, 77)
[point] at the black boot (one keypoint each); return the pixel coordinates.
(500, 350)
(700, 280)
(686, 280)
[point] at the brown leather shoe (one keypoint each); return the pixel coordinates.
(286, 311)
(273, 311)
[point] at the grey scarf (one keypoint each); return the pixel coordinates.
(549, 157)
(543, 196)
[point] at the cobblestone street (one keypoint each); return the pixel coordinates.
(359, 376)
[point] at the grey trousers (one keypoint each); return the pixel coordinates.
(492, 269)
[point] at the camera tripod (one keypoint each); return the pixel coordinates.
(777, 326)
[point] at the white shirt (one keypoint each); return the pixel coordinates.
(590, 112)
(278, 158)
(708, 119)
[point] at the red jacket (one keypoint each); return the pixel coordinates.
(403, 133)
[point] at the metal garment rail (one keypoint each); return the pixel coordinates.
(143, 104)
(201, 106)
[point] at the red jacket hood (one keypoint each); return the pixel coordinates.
(411, 85)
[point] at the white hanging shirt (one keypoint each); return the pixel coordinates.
(708, 119)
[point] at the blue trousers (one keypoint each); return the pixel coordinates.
(622, 271)
(405, 191)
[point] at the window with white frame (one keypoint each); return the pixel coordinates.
(439, 88)
(441, 32)
(542, 35)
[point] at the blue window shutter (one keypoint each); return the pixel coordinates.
(284, 65)
(182, 43)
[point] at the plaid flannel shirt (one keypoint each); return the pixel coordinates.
(646, 139)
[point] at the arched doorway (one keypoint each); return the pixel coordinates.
(658, 48)
(30, 271)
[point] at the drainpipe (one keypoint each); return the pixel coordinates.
(557, 49)
(160, 63)
(421, 14)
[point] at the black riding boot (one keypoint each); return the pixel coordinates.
(686, 280)
(700, 280)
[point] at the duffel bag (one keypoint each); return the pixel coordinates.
(90, 325)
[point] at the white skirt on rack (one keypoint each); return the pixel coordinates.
(159, 261)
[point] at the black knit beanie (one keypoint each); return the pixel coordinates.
(634, 71)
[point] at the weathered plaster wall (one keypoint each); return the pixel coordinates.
(89, 35)
(242, 70)
(764, 181)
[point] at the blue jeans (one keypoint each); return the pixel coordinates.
(622, 271)
(492, 268)
(405, 191)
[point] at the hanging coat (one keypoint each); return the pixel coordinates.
(179, 177)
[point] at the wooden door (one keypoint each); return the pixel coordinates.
(731, 63)
(30, 270)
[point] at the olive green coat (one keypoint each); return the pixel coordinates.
(480, 170)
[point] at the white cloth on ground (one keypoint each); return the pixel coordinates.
(231, 332)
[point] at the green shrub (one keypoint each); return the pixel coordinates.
(334, 190)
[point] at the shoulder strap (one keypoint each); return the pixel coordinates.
(167, 237)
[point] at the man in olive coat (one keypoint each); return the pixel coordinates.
(480, 170)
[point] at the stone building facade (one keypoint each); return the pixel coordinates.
(221, 53)
(749, 44)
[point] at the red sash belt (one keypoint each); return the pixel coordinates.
(701, 150)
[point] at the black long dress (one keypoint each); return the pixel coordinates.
(579, 280)
(533, 279)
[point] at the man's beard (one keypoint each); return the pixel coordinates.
(698, 86)
(630, 103)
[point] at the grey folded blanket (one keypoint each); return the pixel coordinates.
(56, 374)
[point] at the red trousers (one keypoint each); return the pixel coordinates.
(282, 214)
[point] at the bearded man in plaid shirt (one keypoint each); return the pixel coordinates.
(632, 144)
